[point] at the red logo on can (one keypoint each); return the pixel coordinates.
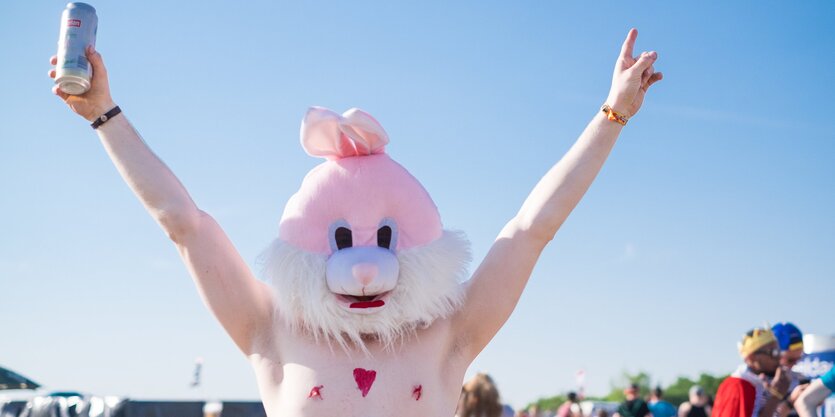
(74, 23)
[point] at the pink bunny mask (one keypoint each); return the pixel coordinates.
(361, 248)
(359, 183)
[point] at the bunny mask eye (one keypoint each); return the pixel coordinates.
(384, 237)
(340, 236)
(343, 238)
(387, 234)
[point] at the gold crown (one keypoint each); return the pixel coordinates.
(754, 340)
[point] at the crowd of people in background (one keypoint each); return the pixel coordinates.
(633, 406)
(764, 385)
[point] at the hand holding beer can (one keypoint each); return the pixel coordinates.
(78, 29)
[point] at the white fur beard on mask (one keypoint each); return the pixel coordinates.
(429, 287)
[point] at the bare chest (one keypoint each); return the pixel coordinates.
(301, 378)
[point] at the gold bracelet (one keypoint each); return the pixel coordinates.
(777, 394)
(614, 116)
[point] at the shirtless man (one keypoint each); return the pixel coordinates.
(301, 375)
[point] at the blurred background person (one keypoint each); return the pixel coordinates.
(480, 398)
(571, 407)
(634, 405)
(533, 411)
(658, 407)
(759, 385)
(790, 340)
(212, 409)
(697, 404)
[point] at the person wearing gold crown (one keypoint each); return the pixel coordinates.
(759, 385)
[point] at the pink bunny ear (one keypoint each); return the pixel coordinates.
(326, 134)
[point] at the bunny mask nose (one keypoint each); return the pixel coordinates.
(362, 277)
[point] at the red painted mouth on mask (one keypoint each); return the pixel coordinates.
(368, 304)
(363, 301)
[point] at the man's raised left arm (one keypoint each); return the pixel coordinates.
(498, 282)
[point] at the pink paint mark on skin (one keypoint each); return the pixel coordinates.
(417, 391)
(365, 379)
(316, 392)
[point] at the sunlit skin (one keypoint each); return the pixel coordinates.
(812, 397)
(765, 361)
(298, 376)
(789, 358)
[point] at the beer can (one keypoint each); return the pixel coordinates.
(78, 29)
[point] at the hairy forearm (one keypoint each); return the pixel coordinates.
(154, 184)
(559, 191)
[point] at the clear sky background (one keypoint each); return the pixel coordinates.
(714, 213)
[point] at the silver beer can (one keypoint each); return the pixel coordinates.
(78, 29)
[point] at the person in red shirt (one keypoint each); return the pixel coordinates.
(758, 386)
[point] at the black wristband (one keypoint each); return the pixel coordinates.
(105, 117)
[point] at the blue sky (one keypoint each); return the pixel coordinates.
(713, 214)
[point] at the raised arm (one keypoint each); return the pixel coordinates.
(241, 303)
(496, 285)
(812, 397)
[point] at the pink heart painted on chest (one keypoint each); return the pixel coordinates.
(365, 378)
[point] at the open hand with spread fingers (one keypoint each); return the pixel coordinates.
(632, 78)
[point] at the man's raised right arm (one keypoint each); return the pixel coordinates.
(241, 303)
